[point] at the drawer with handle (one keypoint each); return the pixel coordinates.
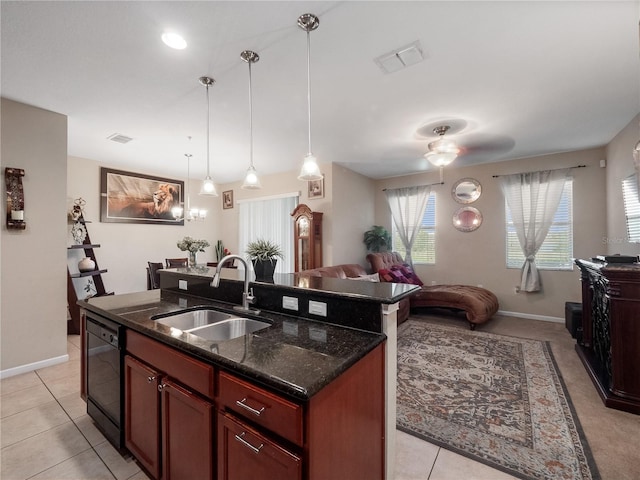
(263, 408)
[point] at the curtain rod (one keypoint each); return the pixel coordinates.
(427, 185)
(551, 170)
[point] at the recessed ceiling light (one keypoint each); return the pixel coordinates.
(173, 40)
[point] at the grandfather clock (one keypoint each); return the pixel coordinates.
(307, 238)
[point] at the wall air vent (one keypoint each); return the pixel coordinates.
(400, 58)
(119, 138)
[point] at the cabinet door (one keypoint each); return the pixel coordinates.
(243, 453)
(142, 414)
(187, 434)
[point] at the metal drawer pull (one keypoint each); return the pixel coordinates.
(150, 379)
(247, 444)
(241, 403)
(161, 386)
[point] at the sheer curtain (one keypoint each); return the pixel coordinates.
(533, 199)
(407, 209)
(269, 218)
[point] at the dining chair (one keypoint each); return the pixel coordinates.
(176, 262)
(153, 278)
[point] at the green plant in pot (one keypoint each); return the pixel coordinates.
(377, 239)
(264, 255)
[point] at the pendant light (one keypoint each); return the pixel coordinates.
(208, 187)
(442, 151)
(251, 180)
(189, 213)
(310, 170)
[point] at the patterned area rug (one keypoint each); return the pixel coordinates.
(493, 398)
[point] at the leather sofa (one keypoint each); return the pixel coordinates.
(353, 270)
(479, 304)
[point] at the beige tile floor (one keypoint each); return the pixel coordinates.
(45, 432)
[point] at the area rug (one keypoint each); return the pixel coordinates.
(496, 399)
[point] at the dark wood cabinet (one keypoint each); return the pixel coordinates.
(245, 453)
(187, 434)
(168, 418)
(610, 345)
(142, 414)
(307, 238)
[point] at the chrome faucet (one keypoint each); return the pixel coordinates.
(247, 295)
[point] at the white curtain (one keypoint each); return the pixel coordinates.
(533, 199)
(407, 206)
(269, 219)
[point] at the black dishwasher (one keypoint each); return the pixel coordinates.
(105, 354)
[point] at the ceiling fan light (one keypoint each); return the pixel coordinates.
(310, 169)
(208, 188)
(251, 180)
(444, 145)
(440, 159)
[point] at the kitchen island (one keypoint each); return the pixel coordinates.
(326, 379)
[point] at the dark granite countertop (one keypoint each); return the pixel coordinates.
(294, 356)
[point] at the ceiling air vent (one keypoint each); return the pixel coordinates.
(400, 58)
(119, 138)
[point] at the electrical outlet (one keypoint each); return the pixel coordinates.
(433, 282)
(318, 308)
(182, 284)
(183, 303)
(479, 285)
(290, 303)
(516, 289)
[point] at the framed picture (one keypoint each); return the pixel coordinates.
(316, 188)
(127, 197)
(227, 199)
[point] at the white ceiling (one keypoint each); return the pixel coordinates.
(513, 79)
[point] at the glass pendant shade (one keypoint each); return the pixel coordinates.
(251, 180)
(310, 169)
(208, 187)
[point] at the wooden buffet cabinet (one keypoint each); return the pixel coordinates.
(610, 344)
(185, 418)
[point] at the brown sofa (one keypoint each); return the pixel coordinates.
(478, 303)
(353, 270)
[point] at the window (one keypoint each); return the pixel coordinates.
(424, 247)
(632, 207)
(269, 218)
(557, 250)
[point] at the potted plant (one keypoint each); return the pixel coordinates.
(377, 239)
(264, 255)
(193, 246)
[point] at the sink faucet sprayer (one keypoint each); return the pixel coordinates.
(247, 295)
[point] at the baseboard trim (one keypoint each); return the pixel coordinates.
(530, 316)
(30, 367)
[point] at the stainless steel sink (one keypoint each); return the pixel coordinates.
(212, 324)
(228, 329)
(193, 319)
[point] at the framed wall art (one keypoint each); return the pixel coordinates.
(127, 197)
(227, 199)
(316, 188)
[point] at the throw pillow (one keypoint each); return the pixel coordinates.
(393, 276)
(409, 274)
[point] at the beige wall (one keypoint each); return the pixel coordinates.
(126, 248)
(478, 258)
(354, 213)
(33, 319)
(619, 167)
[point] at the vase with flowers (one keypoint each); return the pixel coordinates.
(193, 246)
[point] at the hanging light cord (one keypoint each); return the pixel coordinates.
(208, 128)
(188, 155)
(309, 85)
(250, 118)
